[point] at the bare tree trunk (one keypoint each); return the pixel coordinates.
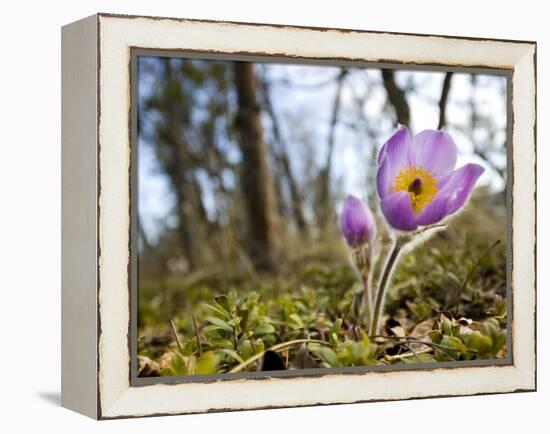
(325, 201)
(445, 89)
(396, 97)
(175, 170)
(284, 162)
(256, 180)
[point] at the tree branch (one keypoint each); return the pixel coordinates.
(324, 176)
(283, 160)
(396, 97)
(443, 99)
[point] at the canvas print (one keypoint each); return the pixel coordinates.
(313, 216)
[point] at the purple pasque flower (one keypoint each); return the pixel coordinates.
(357, 222)
(417, 182)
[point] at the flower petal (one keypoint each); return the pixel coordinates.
(397, 146)
(454, 192)
(357, 222)
(398, 210)
(435, 151)
(384, 178)
(392, 157)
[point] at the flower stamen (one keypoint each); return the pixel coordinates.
(419, 183)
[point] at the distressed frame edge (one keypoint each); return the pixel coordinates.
(415, 397)
(79, 141)
(306, 27)
(528, 65)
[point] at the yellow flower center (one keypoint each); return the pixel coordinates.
(419, 183)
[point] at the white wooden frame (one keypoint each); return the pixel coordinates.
(96, 217)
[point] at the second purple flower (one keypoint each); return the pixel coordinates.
(358, 225)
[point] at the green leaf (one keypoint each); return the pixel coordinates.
(233, 354)
(179, 366)
(223, 302)
(479, 342)
(217, 311)
(222, 343)
(499, 342)
(301, 306)
(258, 346)
(212, 330)
(219, 323)
(246, 349)
(337, 326)
(189, 347)
(244, 336)
(207, 363)
(446, 325)
(328, 355)
(453, 347)
(298, 322)
(490, 327)
(499, 308)
(235, 321)
(360, 353)
(435, 336)
(264, 329)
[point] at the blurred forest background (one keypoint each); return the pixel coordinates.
(242, 171)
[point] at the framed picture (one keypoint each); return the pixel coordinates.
(262, 216)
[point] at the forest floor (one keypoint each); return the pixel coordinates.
(447, 302)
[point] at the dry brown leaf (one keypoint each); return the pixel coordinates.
(420, 331)
(147, 367)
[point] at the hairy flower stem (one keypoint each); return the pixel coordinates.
(385, 279)
(362, 259)
(367, 296)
